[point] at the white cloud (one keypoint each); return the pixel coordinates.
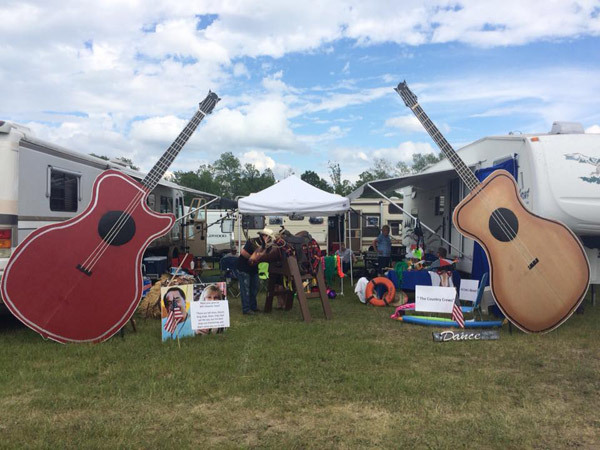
(593, 129)
(262, 161)
(405, 123)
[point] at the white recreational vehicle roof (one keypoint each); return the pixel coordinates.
(29, 141)
(443, 171)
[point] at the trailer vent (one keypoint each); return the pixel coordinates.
(567, 128)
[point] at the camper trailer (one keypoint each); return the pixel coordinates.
(209, 231)
(558, 177)
(368, 215)
(42, 183)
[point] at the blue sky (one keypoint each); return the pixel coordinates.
(302, 83)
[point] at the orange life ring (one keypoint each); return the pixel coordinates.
(388, 297)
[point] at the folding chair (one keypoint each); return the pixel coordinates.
(228, 265)
(476, 307)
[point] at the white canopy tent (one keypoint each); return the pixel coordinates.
(292, 196)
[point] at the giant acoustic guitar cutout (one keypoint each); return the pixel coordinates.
(81, 280)
(539, 272)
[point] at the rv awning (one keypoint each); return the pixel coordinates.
(420, 180)
(293, 196)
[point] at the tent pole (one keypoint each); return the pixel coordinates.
(239, 232)
(352, 251)
(339, 221)
(422, 224)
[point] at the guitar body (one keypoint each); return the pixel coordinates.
(68, 283)
(539, 272)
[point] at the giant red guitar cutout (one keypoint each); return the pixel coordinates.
(88, 277)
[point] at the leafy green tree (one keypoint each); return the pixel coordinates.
(421, 161)
(315, 180)
(340, 187)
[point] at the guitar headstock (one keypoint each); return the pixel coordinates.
(209, 103)
(407, 95)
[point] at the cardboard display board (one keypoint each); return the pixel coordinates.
(199, 309)
(436, 299)
(468, 290)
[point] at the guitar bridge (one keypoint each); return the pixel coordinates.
(84, 270)
(533, 263)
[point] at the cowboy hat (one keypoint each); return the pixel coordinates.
(267, 232)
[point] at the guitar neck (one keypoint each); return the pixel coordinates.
(160, 168)
(461, 168)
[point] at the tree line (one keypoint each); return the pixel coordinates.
(228, 177)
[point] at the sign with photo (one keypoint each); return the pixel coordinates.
(468, 290)
(210, 309)
(174, 309)
(434, 299)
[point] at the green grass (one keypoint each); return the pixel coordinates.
(360, 380)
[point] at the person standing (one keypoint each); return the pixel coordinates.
(346, 256)
(382, 244)
(248, 269)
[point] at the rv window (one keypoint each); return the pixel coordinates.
(166, 204)
(439, 205)
(275, 220)
(179, 203)
(253, 222)
(393, 209)
(151, 201)
(316, 220)
(64, 188)
(295, 217)
(395, 226)
(370, 225)
(227, 226)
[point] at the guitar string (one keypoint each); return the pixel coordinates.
(122, 220)
(103, 245)
(498, 218)
(472, 182)
(120, 223)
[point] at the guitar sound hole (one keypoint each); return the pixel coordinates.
(504, 225)
(126, 230)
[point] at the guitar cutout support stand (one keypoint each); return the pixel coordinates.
(290, 269)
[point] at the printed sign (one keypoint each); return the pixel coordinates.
(210, 314)
(434, 299)
(468, 290)
(475, 335)
(174, 306)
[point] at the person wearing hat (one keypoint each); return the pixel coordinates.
(248, 269)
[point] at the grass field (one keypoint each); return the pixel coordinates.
(360, 380)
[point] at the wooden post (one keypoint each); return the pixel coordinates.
(290, 269)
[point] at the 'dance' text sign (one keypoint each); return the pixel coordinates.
(464, 335)
(434, 299)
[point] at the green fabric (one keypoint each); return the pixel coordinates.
(263, 270)
(400, 267)
(330, 269)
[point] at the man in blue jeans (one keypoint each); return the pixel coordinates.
(383, 246)
(248, 270)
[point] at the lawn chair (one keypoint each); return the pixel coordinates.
(476, 307)
(263, 275)
(228, 266)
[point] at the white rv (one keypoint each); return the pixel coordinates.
(558, 176)
(42, 183)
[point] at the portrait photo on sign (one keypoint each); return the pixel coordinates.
(210, 309)
(174, 309)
